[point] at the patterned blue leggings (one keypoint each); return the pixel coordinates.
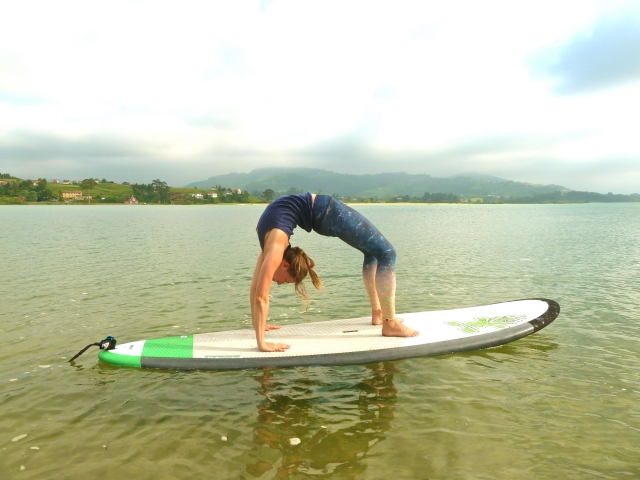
(333, 218)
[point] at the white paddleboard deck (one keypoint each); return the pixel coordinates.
(343, 342)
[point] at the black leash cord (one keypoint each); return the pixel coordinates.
(108, 343)
(97, 344)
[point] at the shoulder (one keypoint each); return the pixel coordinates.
(276, 240)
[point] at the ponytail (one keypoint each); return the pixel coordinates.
(300, 264)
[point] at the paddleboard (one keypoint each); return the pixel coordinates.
(343, 342)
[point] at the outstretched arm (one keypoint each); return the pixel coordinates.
(268, 262)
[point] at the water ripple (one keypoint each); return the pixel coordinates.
(558, 404)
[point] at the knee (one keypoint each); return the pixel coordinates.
(387, 260)
(390, 254)
(370, 263)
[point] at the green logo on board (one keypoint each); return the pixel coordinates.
(496, 323)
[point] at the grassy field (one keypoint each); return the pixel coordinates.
(99, 191)
(190, 190)
(119, 193)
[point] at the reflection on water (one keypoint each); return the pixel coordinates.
(558, 404)
(288, 423)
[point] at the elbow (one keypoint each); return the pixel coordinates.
(261, 301)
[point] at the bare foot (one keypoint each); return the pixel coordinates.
(394, 328)
(273, 347)
(271, 327)
(376, 317)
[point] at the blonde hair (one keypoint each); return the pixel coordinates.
(300, 264)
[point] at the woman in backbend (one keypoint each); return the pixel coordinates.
(281, 263)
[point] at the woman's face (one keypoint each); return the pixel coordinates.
(282, 274)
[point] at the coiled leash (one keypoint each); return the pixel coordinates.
(108, 343)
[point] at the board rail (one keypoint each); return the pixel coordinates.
(158, 360)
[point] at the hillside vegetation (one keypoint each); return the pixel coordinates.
(262, 186)
(379, 186)
(18, 191)
(395, 187)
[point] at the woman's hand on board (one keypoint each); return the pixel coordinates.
(271, 327)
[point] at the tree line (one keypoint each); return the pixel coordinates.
(25, 190)
(551, 197)
(17, 191)
(158, 191)
(225, 195)
(154, 192)
(575, 197)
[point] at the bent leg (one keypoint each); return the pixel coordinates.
(369, 277)
(378, 273)
(386, 288)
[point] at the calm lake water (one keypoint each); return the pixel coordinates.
(562, 403)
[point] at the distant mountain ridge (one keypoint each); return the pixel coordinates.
(481, 176)
(381, 185)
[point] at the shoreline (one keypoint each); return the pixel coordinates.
(53, 204)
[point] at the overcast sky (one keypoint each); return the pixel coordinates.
(542, 92)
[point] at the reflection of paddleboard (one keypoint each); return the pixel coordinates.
(343, 342)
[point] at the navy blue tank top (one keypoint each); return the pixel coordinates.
(286, 213)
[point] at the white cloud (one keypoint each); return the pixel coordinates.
(214, 87)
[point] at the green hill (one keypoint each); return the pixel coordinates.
(390, 187)
(383, 185)
(18, 191)
(101, 190)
